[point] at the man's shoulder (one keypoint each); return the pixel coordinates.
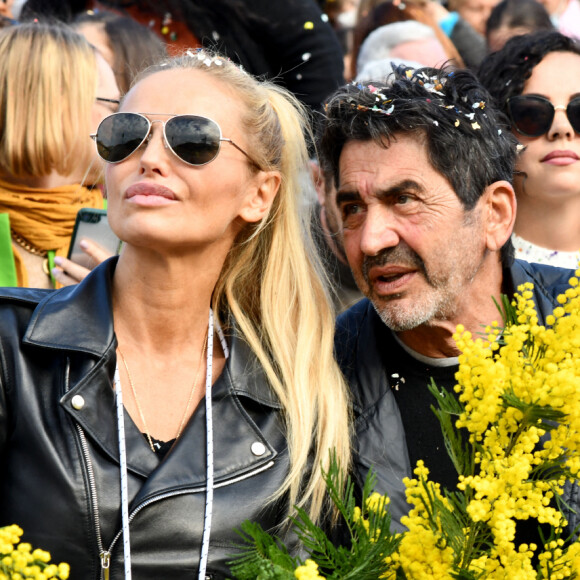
(549, 282)
(349, 326)
(358, 350)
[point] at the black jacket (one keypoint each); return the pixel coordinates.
(55, 345)
(380, 436)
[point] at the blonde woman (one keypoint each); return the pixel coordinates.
(54, 91)
(195, 371)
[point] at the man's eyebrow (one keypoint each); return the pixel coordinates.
(346, 196)
(406, 185)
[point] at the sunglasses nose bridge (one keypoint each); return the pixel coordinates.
(150, 133)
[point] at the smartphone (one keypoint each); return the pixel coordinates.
(92, 224)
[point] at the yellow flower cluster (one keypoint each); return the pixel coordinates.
(514, 387)
(18, 561)
(423, 552)
(309, 571)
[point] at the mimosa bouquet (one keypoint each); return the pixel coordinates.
(512, 430)
(18, 561)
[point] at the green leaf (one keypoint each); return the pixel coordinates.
(456, 444)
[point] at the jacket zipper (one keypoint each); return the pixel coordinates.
(105, 555)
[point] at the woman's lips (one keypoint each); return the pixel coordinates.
(150, 194)
(560, 158)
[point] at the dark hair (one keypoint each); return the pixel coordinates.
(529, 14)
(134, 46)
(505, 72)
(468, 142)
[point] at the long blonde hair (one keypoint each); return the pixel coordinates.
(272, 284)
(48, 84)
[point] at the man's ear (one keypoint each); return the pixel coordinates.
(318, 180)
(500, 213)
(261, 196)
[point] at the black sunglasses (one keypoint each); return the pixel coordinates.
(195, 140)
(532, 115)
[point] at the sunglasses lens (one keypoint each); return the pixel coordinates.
(195, 140)
(120, 135)
(573, 112)
(531, 116)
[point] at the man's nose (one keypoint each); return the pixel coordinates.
(379, 231)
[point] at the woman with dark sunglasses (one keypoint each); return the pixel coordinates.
(535, 80)
(189, 384)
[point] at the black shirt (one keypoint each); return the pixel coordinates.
(409, 379)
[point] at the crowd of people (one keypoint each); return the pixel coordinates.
(267, 166)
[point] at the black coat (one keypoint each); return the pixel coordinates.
(57, 345)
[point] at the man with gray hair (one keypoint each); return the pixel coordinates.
(423, 169)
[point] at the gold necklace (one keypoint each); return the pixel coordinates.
(27, 245)
(140, 410)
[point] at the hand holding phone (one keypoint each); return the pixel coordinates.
(92, 226)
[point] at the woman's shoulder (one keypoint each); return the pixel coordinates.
(17, 306)
(22, 298)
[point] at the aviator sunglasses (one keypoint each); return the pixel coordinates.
(532, 115)
(195, 140)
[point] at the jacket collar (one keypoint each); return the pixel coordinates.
(77, 318)
(80, 319)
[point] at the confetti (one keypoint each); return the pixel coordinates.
(309, 25)
(457, 122)
(436, 123)
(324, 17)
(306, 56)
(475, 126)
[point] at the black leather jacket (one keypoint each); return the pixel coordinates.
(380, 436)
(58, 462)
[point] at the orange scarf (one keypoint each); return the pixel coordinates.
(44, 217)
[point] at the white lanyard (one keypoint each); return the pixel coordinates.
(209, 462)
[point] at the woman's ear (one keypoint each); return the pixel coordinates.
(260, 196)
(500, 212)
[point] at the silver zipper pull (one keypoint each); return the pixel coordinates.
(105, 564)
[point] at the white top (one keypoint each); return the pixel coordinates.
(529, 252)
